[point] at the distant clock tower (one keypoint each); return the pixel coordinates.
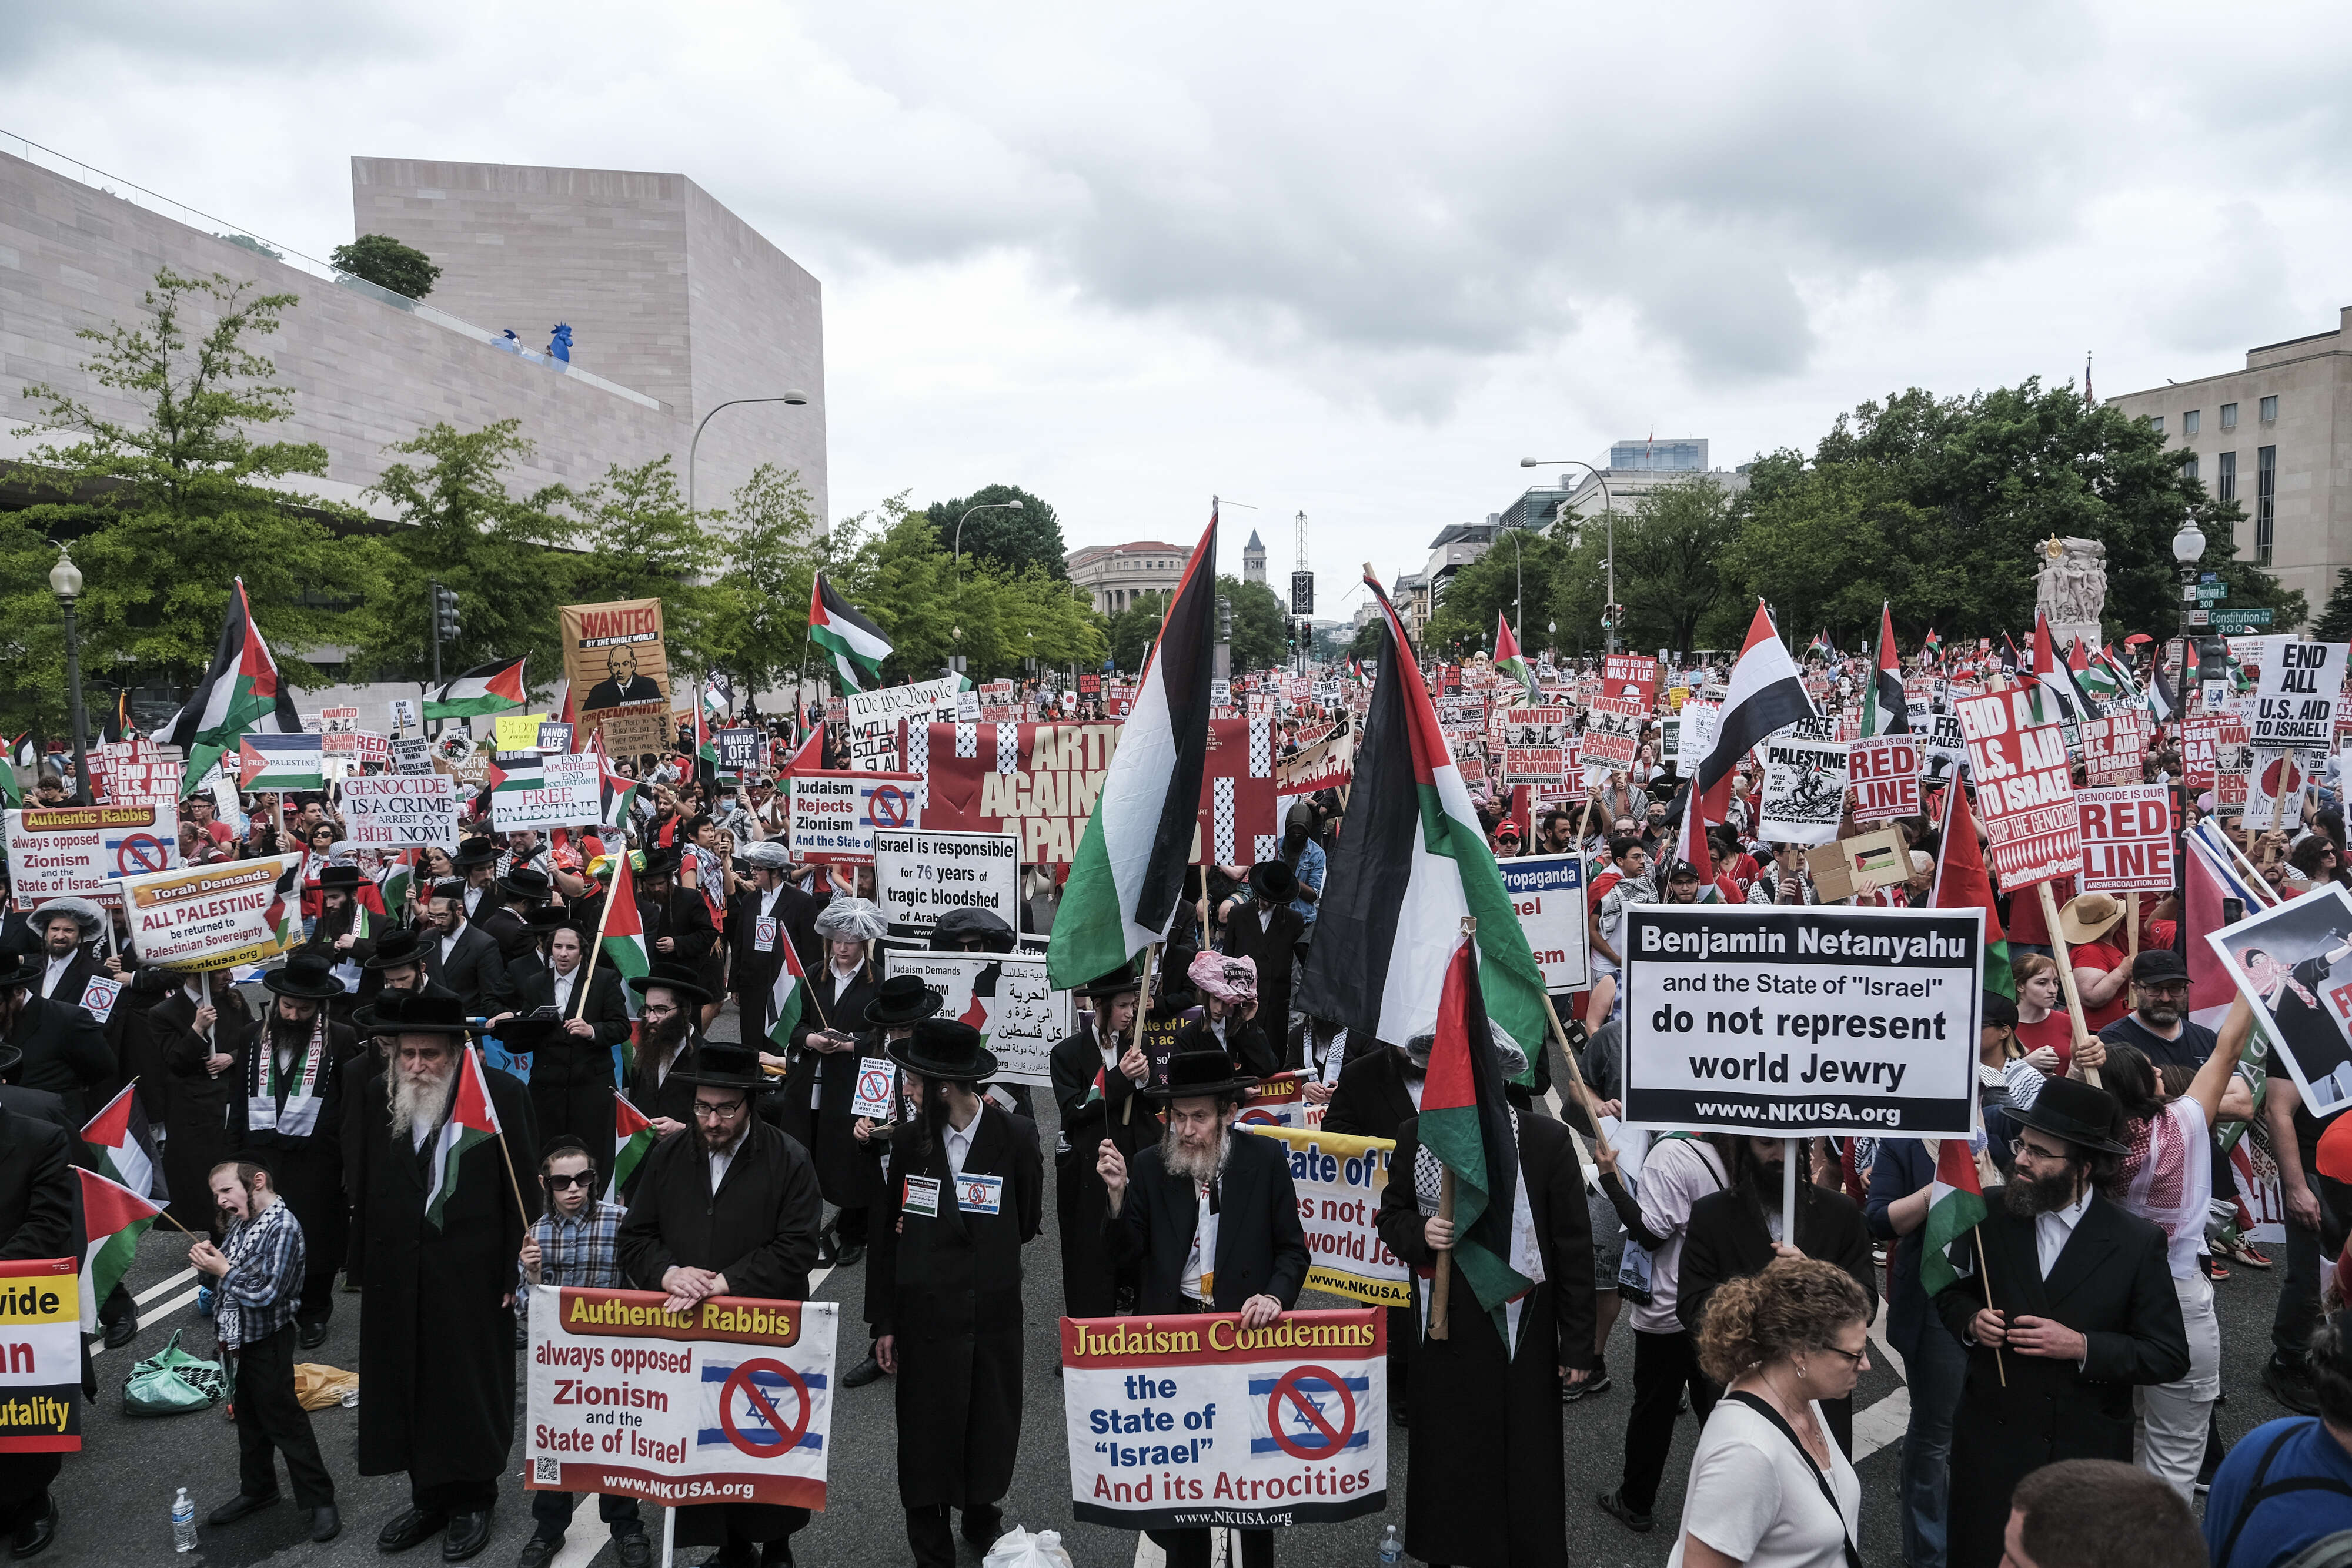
(1253, 559)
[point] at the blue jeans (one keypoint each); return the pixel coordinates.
(1936, 1371)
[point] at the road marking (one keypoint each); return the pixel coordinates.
(147, 1319)
(149, 1294)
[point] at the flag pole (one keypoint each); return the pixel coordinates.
(505, 1155)
(1441, 1282)
(588, 968)
(1583, 1091)
(1984, 1272)
(2064, 954)
(1142, 1007)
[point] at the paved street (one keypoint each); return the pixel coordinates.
(117, 1495)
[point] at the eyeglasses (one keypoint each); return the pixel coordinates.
(559, 1183)
(2041, 1155)
(1855, 1356)
(2163, 987)
(703, 1113)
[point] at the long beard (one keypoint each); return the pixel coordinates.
(667, 1035)
(420, 1102)
(2043, 1194)
(1183, 1162)
(289, 1034)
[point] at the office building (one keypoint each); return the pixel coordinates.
(1115, 576)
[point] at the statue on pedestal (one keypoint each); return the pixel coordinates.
(2071, 588)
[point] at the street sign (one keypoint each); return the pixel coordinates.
(2240, 620)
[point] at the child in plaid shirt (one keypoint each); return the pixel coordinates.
(573, 1244)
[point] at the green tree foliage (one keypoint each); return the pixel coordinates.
(1668, 563)
(1030, 537)
(495, 550)
(1366, 643)
(772, 540)
(636, 540)
(165, 510)
(388, 264)
(1134, 629)
(2335, 623)
(1482, 592)
(1258, 615)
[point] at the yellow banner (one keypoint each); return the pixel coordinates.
(1340, 1181)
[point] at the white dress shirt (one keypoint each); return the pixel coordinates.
(957, 1143)
(563, 991)
(55, 971)
(2054, 1229)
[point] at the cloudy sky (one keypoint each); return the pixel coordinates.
(1354, 259)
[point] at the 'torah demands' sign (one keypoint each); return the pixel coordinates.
(1178, 1423)
(1789, 1022)
(2025, 789)
(732, 1402)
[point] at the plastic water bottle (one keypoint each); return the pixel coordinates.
(184, 1523)
(1392, 1548)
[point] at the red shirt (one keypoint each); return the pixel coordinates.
(2099, 957)
(2057, 1032)
(2025, 923)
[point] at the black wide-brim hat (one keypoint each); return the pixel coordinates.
(1200, 1075)
(2080, 1112)
(413, 1012)
(901, 999)
(526, 1029)
(304, 976)
(474, 853)
(525, 881)
(958, 926)
(395, 950)
(946, 1050)
(726, 1064)
(674, 978)
(1273, 882)
(661, 863)
(1117, 983)
(340, 879)
(549, 918)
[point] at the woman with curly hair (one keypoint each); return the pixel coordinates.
(1767, 1488)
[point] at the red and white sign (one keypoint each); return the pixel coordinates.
(1612, 732)
(1633, 675)
(2113, 749)
(2127, 842)
(831, 817)
(2025, 789)
(1883, 771)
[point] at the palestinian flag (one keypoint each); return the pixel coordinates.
(623, 946)
(397, 876)
(706, 748)
(119, 1139)
(785, 996)
(1767, 693)
(239, 694)
(1820, 648)
(809, 759)
(2055, 677)
(1466, 1122)
(12, 793)
(268, 762)
(1961, 883)
(512, 772)
(1413, 863)
(1931, 651)
(24, 751)
(1128, 873)
(1955, 1201)
(285, 912)
(2098, 677)
(980, 1013)
(633, 1139)
(114, 1217)
(1884, 709)
(1508, 663)
(485, 688)
(856, 644)
(473, 1119)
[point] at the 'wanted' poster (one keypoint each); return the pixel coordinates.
(619, 670)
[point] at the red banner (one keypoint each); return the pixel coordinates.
(2025, 789)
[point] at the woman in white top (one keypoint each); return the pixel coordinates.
(2167, 1178)
(1767, 1488)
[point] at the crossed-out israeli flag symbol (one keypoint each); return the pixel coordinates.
(1294, 1422)
(750, 1421)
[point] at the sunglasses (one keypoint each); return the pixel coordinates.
(563, 1183)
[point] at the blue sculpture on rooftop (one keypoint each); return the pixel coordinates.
(558, 347)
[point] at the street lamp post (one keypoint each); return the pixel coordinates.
(2187, 551)
(792, 395)
(65, 581)
(1609, 510)
(956, 632)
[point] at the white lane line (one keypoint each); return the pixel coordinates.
(147, 1319)
(1148, 1555)
(1882, 1426)
(149, 1294)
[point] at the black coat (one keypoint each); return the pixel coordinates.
(572, 1080)
(37, 1189)
(752, 974)
(759, 1230)
(308, 1171)
(1726, 1239)
(76, 975)
(947, 1286)
(670, 1095)
(1483, 1485)
(849, 1175)
(474, 970)
(2112, 1285)
(1275, 949)
(201, 1111)
(65, 1051)
(1371, 1100)
(685, 920)
(1245, 1045)
(437, 1336)
(1081, 1203)
(1261, 1246)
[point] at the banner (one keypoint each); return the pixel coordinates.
(1184, 1422)
(569, 793)
(732, 1402)
(2289, 961)
(2295, 696)
(1884, 773)
(1788, 1023)
(1631, 676)
(1547, 893)
(831, 816)
(2025, 789)
(2113, 749)
(2127, 840)
(40, 1376)
(398, 811)
(1340, 1180)
(1040, 780)
(78, 851)
(211, 916)
(1328, 764)
(618, 668)
(1804, 790)
(1005, 996)
(920, 875)
(1613, 734)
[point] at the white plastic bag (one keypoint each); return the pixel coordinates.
(1016, 1548)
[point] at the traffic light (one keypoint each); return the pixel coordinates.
(444, 614)
(1289, 632)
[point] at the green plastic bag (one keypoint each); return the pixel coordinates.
(173, 1383)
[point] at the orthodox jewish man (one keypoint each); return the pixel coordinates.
(292, 1121)
(966, 1192)
(668, 1044)
(731, 1209)
(2083, 1311)
(1212, 1220)
(823, 1078)
(899, 1004)
(436, 1229)
(572, 1069)
(343, 938)
(1098, 1076)
(761, 919)
(1483, 1486)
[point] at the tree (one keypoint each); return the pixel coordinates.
(1366, 644)
(461, 528)
(164, 511)
(1134, 629)
(1030, 537)
(773, 543)
(388, 264)
(1258, 617)
(2335, 623)
(1482, 591)
(636, 540)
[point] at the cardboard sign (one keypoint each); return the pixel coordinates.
(1884, 773)
(2025, 789)
(2295, 696)
(1804, 792)
(1005, 996)
(2127, 839)
(920, 875)
(1340, 1181)
(214, 916)
(731, 1400)
(831, 817)
(78, 851)
(619, 668)
(398, 811)
(1547, 895)
(1327, 764)
(875, 719)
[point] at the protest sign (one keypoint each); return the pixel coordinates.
(1339, 1180)
(1631, 676)
(873, 719)
(1005, 996)
(516, 731)
(2295, 696)
(613, 654)
(1279, 1101)
(213, 916)
(1612, 733)
(546, 792)
(2200, 738)
(41, 1380)
(1185, 1422)
(1884, 771)
(1548, 894)
(1804, 790)
(831, 816)
(2289, 961)
(1791, 1021)
(2113, 749)
(2127, 842)
(1327, 764)
(2025, 789)
(1040, 780)
(2275, 787)
(398, 811)
(412, 754)
(740, 749)
(404, 715)
(730, 1401)
(920, 875)
(135, 774)
(556, 735)
(1699, 721)
(78, 851)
